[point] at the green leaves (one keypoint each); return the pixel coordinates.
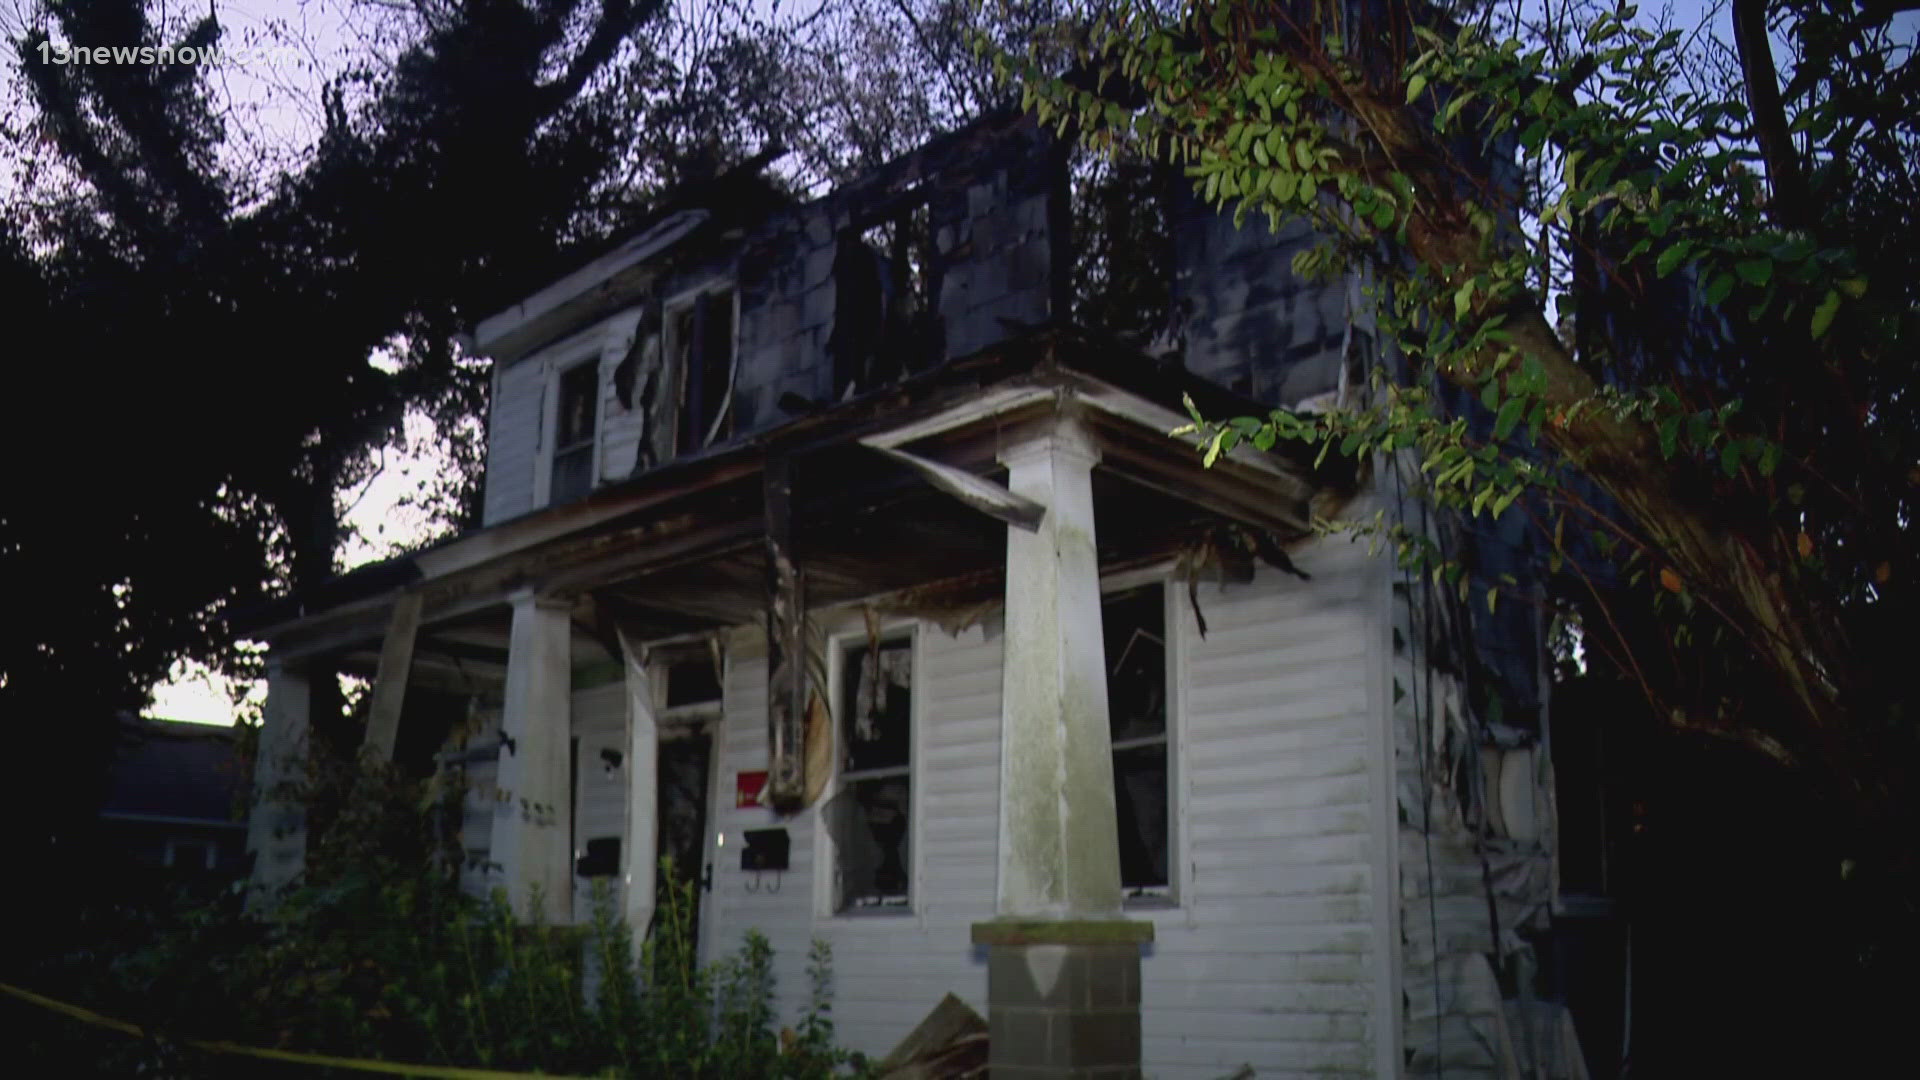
(1718, 288)
(1414, 86)
(1511, 410)
(1823, 315)
(1672, 257)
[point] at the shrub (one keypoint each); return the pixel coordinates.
(378, 954)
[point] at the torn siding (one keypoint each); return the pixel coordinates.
(1475, 808)
(629, 376)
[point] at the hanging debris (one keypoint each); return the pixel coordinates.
(787, 683)
(1226, 551)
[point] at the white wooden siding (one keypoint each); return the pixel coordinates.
(599, 722)
(1272, 957)
(1271, 960)
(513, 440)
(889, 968)
(523, 407)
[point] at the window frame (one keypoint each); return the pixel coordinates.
(826, 851)
(1173, 624)
(680, 372)
(586, 347)
(175, 846)
(588, 447)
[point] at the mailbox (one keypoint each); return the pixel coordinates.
(766, 849)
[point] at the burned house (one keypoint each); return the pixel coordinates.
(826, 556)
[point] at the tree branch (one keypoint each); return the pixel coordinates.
(1789, 207)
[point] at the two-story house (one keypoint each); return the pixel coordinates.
(825, 555)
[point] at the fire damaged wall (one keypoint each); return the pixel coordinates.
(1478, 832)
(1251, 323)
(938, 254)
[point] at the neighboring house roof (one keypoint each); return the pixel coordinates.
(168, 770)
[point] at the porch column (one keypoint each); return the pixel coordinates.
(1063, 995)
(533, 822)
(643, 797)
(276, 821)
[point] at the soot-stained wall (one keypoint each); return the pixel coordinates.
(1252, 324)
(812, 319)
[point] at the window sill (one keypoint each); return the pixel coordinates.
(874, 912)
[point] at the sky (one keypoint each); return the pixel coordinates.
(272, 97)
(281, 52)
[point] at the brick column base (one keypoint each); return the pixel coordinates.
(1063, 998)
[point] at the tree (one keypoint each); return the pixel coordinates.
(1641, 293)
(194, 343)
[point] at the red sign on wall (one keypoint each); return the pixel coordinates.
(748, 787)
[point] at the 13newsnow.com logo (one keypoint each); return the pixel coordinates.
(63, 55)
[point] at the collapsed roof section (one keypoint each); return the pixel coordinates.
(639, 401)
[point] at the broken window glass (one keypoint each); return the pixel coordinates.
(1134, 623)
(869, 817)
(573, 442)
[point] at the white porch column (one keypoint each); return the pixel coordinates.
(1059, 847)
(1063, 966)
(643, 798)
(533, 822)
(276, 824)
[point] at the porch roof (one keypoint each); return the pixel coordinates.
(680, 549)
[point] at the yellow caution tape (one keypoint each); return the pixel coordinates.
(440, 1072)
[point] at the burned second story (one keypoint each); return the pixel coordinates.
(736, 309)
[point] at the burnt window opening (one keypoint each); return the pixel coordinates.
(692, 680)
(1123, 248)
(887, 280)
(869, 818)
(1134, 626)
(701, 333)
(574, 424)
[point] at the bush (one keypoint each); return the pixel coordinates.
(378, 954)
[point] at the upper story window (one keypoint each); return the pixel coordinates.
(575, 423)
(1135, 626)
(869, 819)
(700, 342)
(887, 281)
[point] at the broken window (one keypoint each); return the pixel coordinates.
(868, 819)
(1134, 621)
(701, 336)
(573, 442)
(1123, 247)
(886, 299)
(692, 679)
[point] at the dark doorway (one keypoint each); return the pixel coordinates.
(685, 763)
